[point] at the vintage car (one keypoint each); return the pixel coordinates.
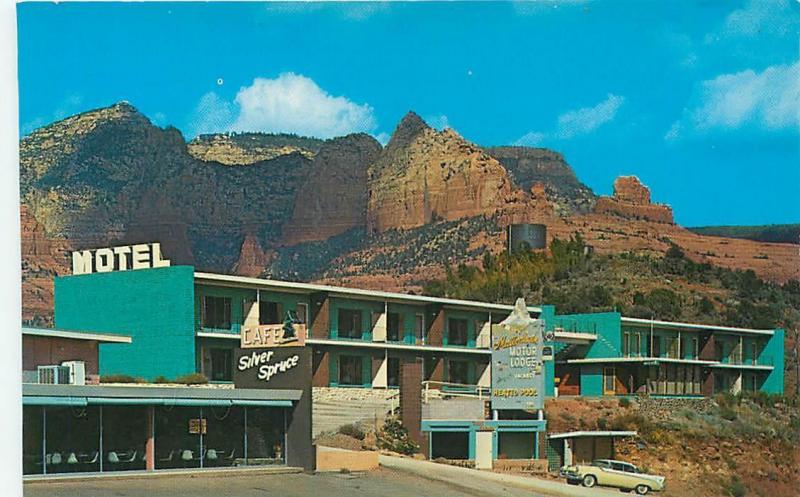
(612, 473)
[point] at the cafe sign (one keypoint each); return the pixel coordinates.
(273, 335)
(517, 363)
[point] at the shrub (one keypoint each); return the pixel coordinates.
(161, 379)
(120, 378)
(192, 379)
(735, 488)
(394, 436)
(624, 402)
(352, 430)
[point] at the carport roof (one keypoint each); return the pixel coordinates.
(576, 434)
(158, 392)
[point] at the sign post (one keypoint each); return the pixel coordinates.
(517, 365)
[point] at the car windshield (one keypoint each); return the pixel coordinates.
(601, 463)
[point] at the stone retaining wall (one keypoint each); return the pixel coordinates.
(664, 408)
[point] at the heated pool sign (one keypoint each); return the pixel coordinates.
(517, 367)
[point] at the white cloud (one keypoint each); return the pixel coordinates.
(70, 105)
(212, 115)
(588, 119)
(759, 17)
(577, 122)
(383, 138)
(532, 139)
(439, 122)
(769, 99)
(290, 103)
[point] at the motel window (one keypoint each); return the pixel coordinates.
(458, 372)
(637, 344)
(457, 332)
(695, 348)
(221, 365)
(626, 348)
(349, 323)
(350, 370)
(672, 347)
(302, 313)
(655, 347)
(419, 328)
(216, 312)
(393, 324)
(270, 313)
(393, 372)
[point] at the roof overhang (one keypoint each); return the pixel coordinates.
(344, 292)
(578, 434)
(76, 335)
(693, 326)
(654, 360)
(158, 392)
(577, 338)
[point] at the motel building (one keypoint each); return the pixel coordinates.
(146, 318)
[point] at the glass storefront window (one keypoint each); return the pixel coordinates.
(72, 439)
(266, 440)
(223, 442)
(32, 448)
(178, 431)
(124, 437)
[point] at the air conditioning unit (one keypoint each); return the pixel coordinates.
(53, 375)
(77, 372)
(68, 373)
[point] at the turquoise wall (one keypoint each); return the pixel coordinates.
(606, 325)
(773, 352)
(154, 306)
(591, 380)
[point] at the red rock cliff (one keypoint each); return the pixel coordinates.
(425, 175)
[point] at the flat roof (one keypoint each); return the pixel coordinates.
(576, 434)
(693, 326)
(76, 335)
(600, 360)
(351, 292)
(159, 392)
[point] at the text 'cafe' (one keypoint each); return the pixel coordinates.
(74, 424)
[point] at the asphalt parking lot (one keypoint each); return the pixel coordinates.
(380, 483)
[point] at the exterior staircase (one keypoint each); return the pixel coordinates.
(335, 407)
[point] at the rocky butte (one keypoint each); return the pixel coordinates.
(631, 200)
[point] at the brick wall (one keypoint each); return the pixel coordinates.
(320, 315)
(435, 319)
(411, 402)
(46, 351)
(320, 368)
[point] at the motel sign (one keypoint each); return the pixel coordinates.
(121, 258)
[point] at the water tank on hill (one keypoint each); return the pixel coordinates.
(533, 236)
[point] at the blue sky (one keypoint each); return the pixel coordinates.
(698, 99)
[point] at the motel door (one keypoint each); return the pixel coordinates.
(609, 376)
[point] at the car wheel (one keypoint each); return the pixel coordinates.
(589, 481)
(642, 489)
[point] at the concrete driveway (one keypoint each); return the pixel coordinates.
(486, 480)
(380, 483)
